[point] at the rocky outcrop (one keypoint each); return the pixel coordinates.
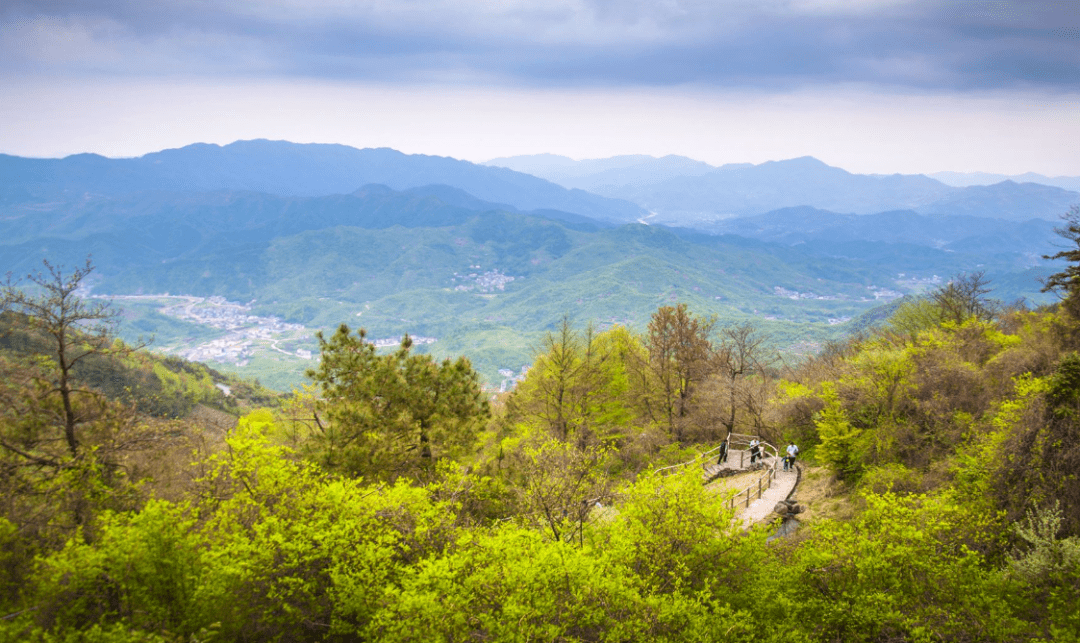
(787, 508)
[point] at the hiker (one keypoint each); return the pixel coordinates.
(723, 453)
(755, 450)
(789, 461)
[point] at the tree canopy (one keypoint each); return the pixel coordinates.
(391, 415)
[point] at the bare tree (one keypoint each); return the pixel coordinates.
(743, 364)
(560, 485)
(734, 396)
(679, 360)
(73, 328)
(965, 297)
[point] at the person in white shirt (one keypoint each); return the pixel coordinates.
(755, 450)
(789, 461)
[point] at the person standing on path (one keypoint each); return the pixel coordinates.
(755, 450)
(723, 453)
(789, 461)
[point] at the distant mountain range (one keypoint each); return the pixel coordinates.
(681, 191)
(967, 179)
(482, 260)
(290, 169)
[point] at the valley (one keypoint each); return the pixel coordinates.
(483, 261)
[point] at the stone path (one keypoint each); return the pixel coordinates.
(739, 461)
(760, 508)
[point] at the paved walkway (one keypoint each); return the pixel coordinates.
(738, 460)
(760, 508)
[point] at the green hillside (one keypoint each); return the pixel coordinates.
(462, 274)
(936, 500)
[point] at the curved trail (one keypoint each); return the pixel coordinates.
(760, 508)
(754, 503)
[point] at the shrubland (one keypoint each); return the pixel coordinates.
(392, 501)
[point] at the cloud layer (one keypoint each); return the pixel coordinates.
(940, 45)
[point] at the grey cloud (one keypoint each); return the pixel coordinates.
(945, 44)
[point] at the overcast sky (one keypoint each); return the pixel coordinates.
(868, 85)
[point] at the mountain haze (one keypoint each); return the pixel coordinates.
(290, 169)
(683, 192)
(967, 179)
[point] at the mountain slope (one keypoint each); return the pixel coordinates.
(1006, 200)
(968, 179)
(483, 282)
(805, 224)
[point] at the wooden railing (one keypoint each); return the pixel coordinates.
(770, 456)
(763, 484)
(735, 441)
(701, 457)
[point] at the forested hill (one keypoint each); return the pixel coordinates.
(394, 501)
(476, 278)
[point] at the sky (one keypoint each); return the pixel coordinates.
(873, 86)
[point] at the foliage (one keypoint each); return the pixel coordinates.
(914, 316)
(1050, 568)
(141, 570)
(1039, 460)
(554, 529)
(677, 536)
(560, 485)
(1067, 281)
(902, 570)
(512, 584)
(576, 389)
(839, 439)
(391, 415)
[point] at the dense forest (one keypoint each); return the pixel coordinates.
(154, 500)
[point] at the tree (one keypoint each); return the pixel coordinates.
(679, 359)
(391, 415)
(74, 328)
(1039, 460)
(560, 484)
(1067, 282)
(914, 316)
(576, 385)
(964, 297)
(739, 384)
(62, 444)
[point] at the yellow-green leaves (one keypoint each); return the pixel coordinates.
(839, 439)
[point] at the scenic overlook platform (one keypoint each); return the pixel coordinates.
(756, 501)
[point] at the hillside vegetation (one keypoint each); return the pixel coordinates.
(392, 501)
